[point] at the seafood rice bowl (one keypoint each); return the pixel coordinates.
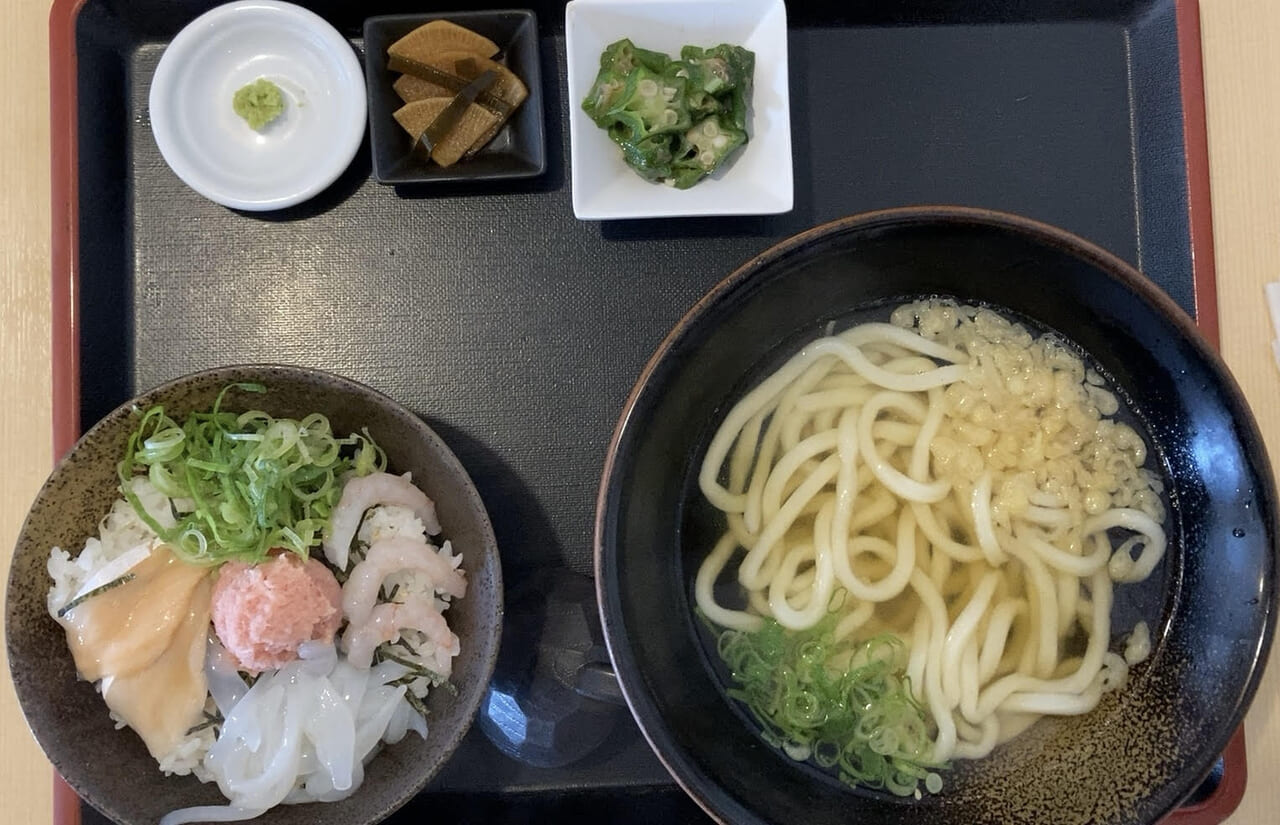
(265, 605)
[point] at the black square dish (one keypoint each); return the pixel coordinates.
(518, 151)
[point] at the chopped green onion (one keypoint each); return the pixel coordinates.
(256, 482)
(858, 718)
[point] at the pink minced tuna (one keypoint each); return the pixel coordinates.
(262, 612)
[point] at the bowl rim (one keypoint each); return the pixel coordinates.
(687, 775)
(344, 64)
(489, 548)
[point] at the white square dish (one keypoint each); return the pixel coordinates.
(757, 181)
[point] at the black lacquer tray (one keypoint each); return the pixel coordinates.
(516, 331)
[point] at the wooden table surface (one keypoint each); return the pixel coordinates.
(1241, 41)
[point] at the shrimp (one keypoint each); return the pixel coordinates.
(389, 556)
(386, 621)
(359, 495)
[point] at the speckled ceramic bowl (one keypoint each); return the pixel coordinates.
(110, 768)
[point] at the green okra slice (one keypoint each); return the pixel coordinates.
(651, 157)
(615, 80)
(623, 56)
(675, 121)
(705, 146)
(648, 105)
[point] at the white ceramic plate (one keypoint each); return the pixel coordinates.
(757, 180)
(292, 158)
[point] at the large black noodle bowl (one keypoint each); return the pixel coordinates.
(1211, 602)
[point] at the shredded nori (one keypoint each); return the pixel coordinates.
(417, 704)
(210, 720)
(385, 654)
(79, 600)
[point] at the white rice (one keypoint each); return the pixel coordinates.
(389, 522)
(188, 755)
(122, 531)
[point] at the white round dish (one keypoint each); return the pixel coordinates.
(296, 156)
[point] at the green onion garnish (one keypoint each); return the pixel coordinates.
(846, 705)
(256, 482)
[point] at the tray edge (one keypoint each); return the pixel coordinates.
(1195, 136)
(64, 325)
(64, 273)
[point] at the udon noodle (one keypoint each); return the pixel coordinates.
(953, 480)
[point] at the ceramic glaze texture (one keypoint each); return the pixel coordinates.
(111, 769)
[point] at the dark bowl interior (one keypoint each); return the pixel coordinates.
(111, 769)
(518, 151)
(1210, 604)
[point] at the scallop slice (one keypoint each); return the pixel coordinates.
(164, 700)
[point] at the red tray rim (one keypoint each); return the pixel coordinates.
(65, 287)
